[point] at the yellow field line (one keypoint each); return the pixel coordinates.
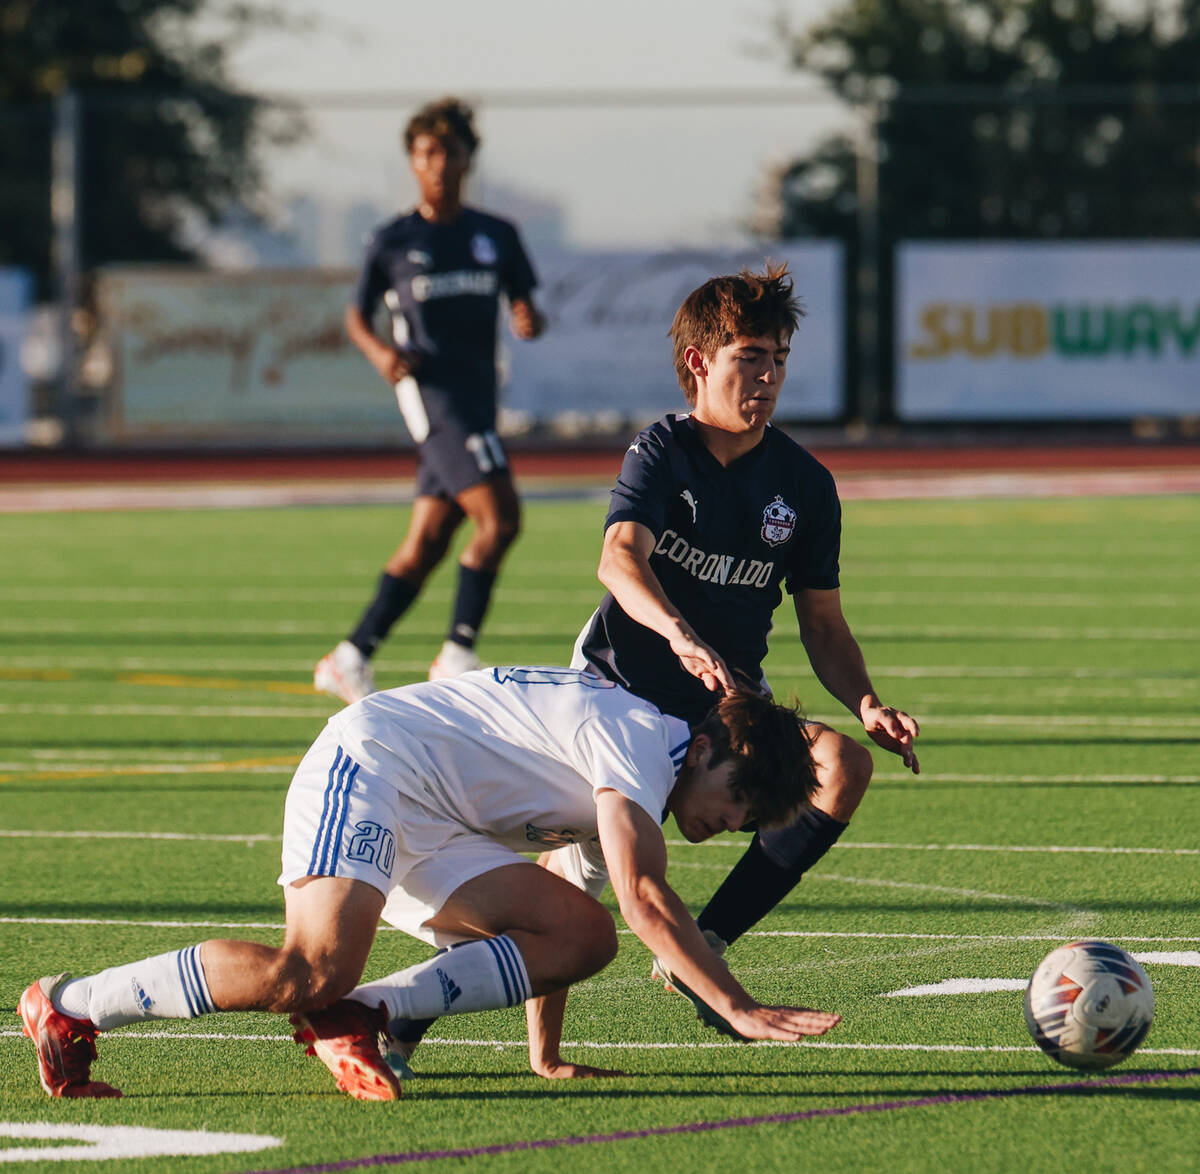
(158, 768)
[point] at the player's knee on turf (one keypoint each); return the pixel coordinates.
(843, 770)
(585, 940)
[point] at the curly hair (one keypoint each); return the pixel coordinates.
(774, 774)
(446, 118)
(745, 303)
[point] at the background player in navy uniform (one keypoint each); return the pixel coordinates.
(440, 270)
(713, 513)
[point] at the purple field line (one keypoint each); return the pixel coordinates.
(549, 1143)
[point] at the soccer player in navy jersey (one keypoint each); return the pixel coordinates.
(713, 514)
(440, 270)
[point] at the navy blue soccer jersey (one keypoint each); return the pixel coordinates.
(729, 540)
(442, 284)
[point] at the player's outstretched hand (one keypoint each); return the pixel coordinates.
(561, 1070)
(894, 730)
(783, 1023)
(701, 661)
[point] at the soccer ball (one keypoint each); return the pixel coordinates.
(1089, 1005)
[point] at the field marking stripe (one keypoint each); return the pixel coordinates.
(865, 935)
(609, 1045)
(1051, 848)
(1028, 721)
(691, 1127)
(269, 837)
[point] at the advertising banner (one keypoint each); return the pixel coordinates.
(264, 355)
(1029, 331)
(15, 292)
(607, 350)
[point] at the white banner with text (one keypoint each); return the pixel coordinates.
(263, 355)
(1031, 331)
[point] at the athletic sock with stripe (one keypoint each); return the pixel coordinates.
(473, 976)
(167, 986)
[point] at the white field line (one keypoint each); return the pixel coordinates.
(863, 935)
(740, 845)
(183, 664)
(32, 628)
(1051, 848)
(247, 838)
(856, 571)
(143, 768)
(168, 597)
(223, 711)
(320, 709)
(709, 1045)
(174, 598)
(1049, 780)
(983, 986)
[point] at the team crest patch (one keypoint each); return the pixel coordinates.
(419, 257)
(779, 520)
(483, 249)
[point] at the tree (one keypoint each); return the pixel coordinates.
(1008, 118)
(167, 137)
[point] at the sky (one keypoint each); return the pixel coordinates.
(607, 176)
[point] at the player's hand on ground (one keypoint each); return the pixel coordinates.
(783, 1023)
(561, 1070)
(701, 661)
(894, 730)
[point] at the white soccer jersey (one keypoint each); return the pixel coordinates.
(517, 754)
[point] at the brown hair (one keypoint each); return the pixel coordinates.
(745, 303)
(774, 772)
(446, 118)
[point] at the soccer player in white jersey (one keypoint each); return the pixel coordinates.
(415, 804)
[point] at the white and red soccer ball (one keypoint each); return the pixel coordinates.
(1089, 1004)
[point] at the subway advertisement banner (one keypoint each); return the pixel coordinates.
(16, 289)
(264, 355)
(1029, 331)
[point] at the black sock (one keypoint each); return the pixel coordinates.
(391, 601)
(771, 867)
(470, 605)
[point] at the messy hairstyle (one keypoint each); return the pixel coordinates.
(446, 118)
(774, 772)
(745, 303)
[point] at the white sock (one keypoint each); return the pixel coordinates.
(476, 976)
(167, 986)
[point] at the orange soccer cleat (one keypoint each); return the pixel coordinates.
(65, 1046)
(345, 1038)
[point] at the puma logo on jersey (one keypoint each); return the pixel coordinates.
(726, 569)
(690, 501)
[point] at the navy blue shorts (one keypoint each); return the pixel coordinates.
(452, 459)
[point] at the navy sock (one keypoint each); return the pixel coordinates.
(391, 601)
(771, 867)
(470, 605)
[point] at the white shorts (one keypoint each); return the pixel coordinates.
(341, 820)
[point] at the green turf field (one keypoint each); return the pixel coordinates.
(154, 696)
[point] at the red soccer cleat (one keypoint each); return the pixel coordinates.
(65, 1046)
(345, 1038)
